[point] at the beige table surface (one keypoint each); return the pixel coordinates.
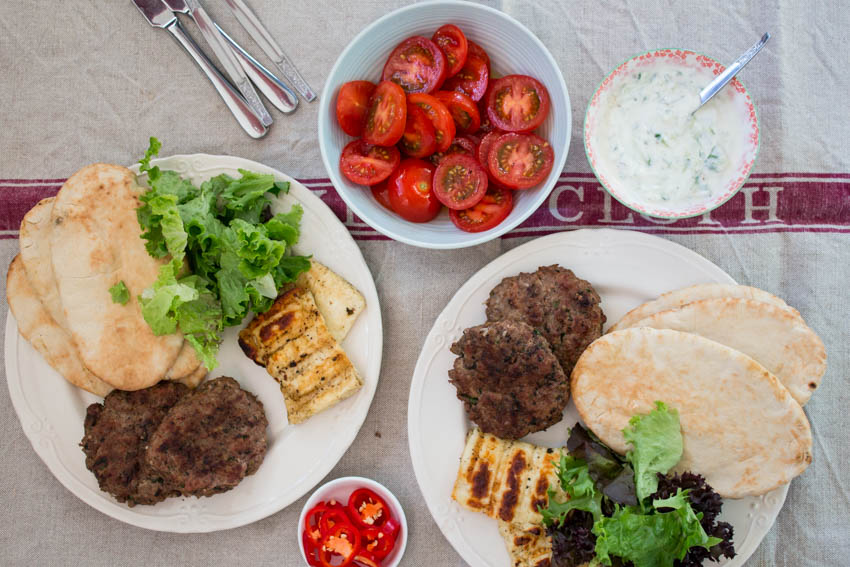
(89, 81)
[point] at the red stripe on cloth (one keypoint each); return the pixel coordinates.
(27, 181)
(806, 175)
(15, 204)
(768, 202)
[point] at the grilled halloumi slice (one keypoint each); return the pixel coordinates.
(293, 343)
(338, 301)
(507, 480)
(528, 547)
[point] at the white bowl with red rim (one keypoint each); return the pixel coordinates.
(742, 163)
(512, 49)
(339, 490)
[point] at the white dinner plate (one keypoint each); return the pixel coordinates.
(51, 410)
(626, 269)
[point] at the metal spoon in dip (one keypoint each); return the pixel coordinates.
(723, 78)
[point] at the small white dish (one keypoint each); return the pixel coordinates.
(742, 113)
(340, 489)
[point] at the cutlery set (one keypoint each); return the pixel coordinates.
(244, 71)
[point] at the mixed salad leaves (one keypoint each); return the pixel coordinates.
(627, 511)
(229, 255)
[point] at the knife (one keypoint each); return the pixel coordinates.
(223, 52)
(278, 94)
(159, 16)
(264, 39)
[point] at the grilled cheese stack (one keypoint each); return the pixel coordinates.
(293, 342)
(509, 481)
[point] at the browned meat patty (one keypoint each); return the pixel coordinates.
(564, 308)
(211, 439)
(116, 436)
(508, 379)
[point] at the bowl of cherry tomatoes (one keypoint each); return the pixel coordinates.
(352, 522)
(444, 124)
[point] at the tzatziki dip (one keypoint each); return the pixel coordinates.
(655, 149)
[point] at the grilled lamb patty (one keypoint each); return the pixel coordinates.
(116, 436)
(564, 308)
(508, 379)
(210, 440)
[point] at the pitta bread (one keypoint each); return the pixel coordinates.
(44, 334)
(35, 255)
(95, 244)
(776, 339)
(680, 297)
(338, 301)
(742, 429)
(186, 364)
(195, 378)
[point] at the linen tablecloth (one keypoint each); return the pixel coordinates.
(82, 82)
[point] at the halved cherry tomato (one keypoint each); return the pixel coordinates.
(517, 103)
(463, 109)
(352, 104)
(478, 51)
(417, 65)
(411, 195)
(311, 550)
(488, 213)
(520, 161)
(453, 44)
(441, 118)
(460, 145)
(472, 79)
(376, 542)
(381, 193)
(331, 518)
(366, 508)
(340, 546)
(365, 559)
(460, 181)
(366, 164)
(387, 115)
(485, 145)
(419, 138)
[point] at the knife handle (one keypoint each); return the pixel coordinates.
(246, 117)
(272, 88)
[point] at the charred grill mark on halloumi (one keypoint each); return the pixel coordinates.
(528, 547)
(272, 329)
(507, 480)
(292, 341)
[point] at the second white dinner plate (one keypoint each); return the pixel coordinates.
(626, 269)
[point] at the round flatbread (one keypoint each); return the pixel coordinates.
(741, 428)
(45, 335)
(680, 297)
(35, 255)
(95, 243)
(186, 363)
(776, 339)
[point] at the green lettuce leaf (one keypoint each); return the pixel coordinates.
(651, 540)
(120, 293)
(214, 233)
(656, 439)
(575, 480)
